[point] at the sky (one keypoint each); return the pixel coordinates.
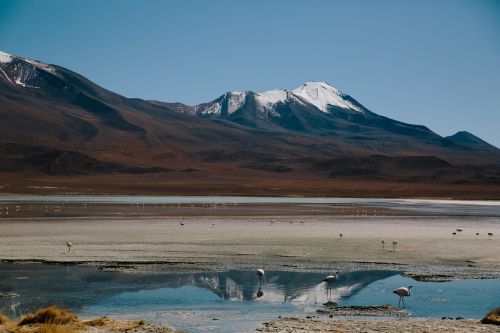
(435, 63)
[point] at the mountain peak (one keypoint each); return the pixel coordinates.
(323, 96)
(5, 57)
(319, 84)
(464, 137)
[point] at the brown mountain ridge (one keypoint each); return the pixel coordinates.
(60, 128)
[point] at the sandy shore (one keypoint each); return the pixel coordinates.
(425, 245)
(300, 325)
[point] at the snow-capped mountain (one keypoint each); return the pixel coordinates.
(314, 107)
(311, 94)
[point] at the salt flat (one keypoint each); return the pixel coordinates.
(307, 241)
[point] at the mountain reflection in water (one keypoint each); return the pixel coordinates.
(28, 286)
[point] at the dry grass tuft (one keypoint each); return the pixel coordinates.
(492, 318)
(50, 315)
(55, 320)
(3, 319)
(54, 328)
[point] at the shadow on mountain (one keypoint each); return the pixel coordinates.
(15, 158)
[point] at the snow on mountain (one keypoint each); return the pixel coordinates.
(42, 66)
(267, 99)
(235, 101)
(5, 57)
(23, 72)
(212, 109)
(318, 94)
(322, 95)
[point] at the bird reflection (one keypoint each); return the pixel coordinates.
(260, 293)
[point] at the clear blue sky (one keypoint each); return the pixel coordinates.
(435, 63)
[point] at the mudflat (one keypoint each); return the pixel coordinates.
(426, 247)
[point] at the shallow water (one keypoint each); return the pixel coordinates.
(427, 206)
(231, 301)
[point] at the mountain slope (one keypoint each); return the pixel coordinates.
(470, 140)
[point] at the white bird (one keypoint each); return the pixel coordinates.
(69, 245)
(394, 244)
(332, 278)
(261, 274)
(383, 243)
(403, 292)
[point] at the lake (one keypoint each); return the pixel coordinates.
(231, 301)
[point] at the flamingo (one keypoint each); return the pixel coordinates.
(394, 244)
(341, 235)
(332, 278)
(477, 234)
(69, 245)
(403, 292)
(261, 274)
(490, 234)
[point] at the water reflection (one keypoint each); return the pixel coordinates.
(237, 294)
(308, 288)
(77, 287)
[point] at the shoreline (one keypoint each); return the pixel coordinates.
(420, 273)
(372, 325)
